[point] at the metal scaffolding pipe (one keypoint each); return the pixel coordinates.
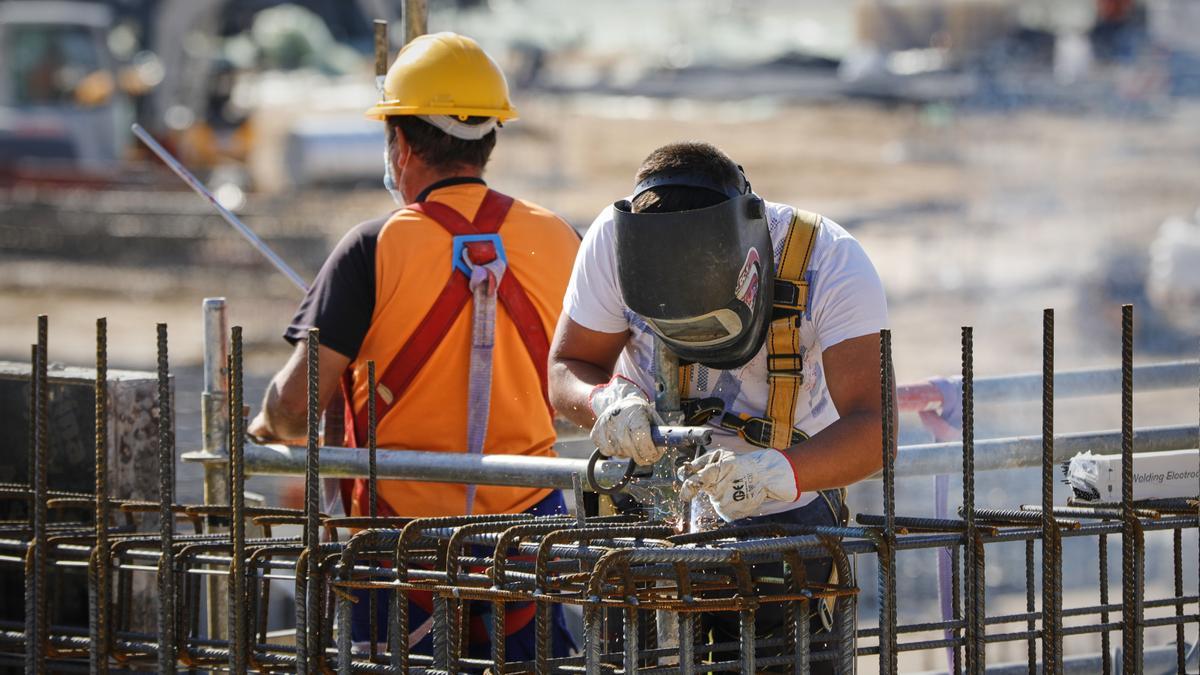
(1070, 384)
(556, 472)
(445, 467)
(931, 459)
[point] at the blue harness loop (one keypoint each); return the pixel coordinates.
(477, 253)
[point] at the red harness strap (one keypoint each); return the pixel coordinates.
(403, 369)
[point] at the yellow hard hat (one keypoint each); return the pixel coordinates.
(444, 74)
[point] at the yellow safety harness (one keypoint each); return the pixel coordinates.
(785, 369)
(785, 363)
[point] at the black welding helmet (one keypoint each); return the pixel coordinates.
(702, 279)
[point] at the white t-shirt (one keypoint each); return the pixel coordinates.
(845, 301)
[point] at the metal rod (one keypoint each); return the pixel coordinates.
(930, 459)
(198, 187)
(888, 658)
(1051, 540)
(238, 625)
(99, 574)
(312, 500)
(214, 420)
(1131, 617)
(166, 515)
(35, 601)
(1069, 384)
(372, 477)
(381, 54)
(1177, 576)
(974, 637)
(1030, 607)
(416, 19)
(1105, 647)
(515, 470)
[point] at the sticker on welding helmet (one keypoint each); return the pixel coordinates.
(747, 282)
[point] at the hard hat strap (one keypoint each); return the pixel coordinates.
(459, 129)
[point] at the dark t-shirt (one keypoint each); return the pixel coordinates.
(341, 300)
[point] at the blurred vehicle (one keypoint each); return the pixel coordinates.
(63, 112)
(267, 94)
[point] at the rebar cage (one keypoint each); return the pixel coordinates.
(644, 590)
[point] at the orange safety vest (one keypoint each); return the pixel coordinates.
(420, 340)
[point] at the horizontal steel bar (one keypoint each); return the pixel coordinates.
(1026, 451)
(556, 472)
(1069, 384)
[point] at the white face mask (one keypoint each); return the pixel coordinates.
(389, 181)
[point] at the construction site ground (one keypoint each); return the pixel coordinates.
(972, 218)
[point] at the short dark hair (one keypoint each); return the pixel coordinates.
(703, 159)
(439, 149)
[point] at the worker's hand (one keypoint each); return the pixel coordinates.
(259, 430)
(623, 418)
(738, 484)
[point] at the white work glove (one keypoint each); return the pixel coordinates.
(738, 484)
(623, 418)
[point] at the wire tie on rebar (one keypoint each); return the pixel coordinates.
(344, 595)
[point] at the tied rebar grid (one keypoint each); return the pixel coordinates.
(631, 578)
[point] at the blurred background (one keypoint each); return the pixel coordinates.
(995, 157)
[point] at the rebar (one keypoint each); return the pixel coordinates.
(1051, 538)
(637, 573)
(166, 515)
(1131, 563)
(372, 459)
(308, 606)
(974, 640)
(36, 602)
(239, 641)
(99, 572)
(888, 658)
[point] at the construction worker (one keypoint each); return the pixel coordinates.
(776, 313)
(453, 296)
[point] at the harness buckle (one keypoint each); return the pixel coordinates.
(465, 240)
(789, 365)
(791, 295)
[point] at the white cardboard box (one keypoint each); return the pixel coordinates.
(1156, 475)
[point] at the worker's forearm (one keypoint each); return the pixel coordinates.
(280, 423)
(842, 453)
(571, 384)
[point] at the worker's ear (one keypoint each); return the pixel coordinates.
(400, 150)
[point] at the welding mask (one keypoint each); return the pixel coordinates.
(702, 279)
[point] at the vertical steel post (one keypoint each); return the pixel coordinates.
(372, 496)
(1177, 575)
(35, 559)
(1051, 539)
(888, 658)
(312, 499)
(593, 635)
(99, 574)
(381, 54)
(238, 642)
(1131, 552)
(1031, 609)
(166, 515)
(1105, 641)
(416, 19)
(956, 578)
(974, 634)
(214, 415)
